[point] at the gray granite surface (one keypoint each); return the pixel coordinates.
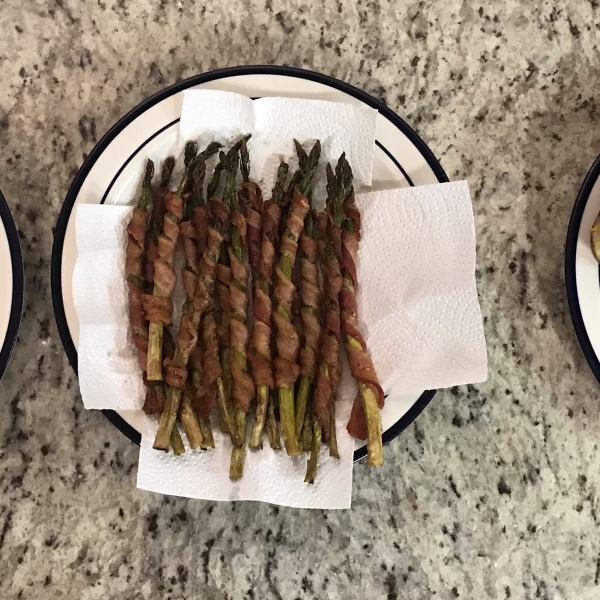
(494, 491)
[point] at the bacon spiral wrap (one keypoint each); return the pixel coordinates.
(360, 362)
(243, 384)
(134, 259)
(159, 305)
(330, 369)
(287, 340)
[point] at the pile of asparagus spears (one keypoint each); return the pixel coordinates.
(303, 286)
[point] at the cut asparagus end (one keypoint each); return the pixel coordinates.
(313, 460)
(261, 415)
(238, 453)
(272, 425)
(288, 424)
(236, 468)
(225, 411)
(373, 416)
(207, 434)
(307, 433)
(333, 447)
(301, 404)
(167, 420)
(177, 442)
(154, 364)
(190, 423)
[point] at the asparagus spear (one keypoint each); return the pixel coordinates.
(213, 376)
(261, 356)
(243, 385)
(187, 336)
(273, 432)
(195, 394)
(313, 461)
(310, 296)
(159, 306)
(346, 214)
(140, 272)
(189, 236)
(287, 340)
(134, 263)
(323, 401)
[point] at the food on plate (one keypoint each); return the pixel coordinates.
(139, 247)
(242, 387)
(287, 340)
(187, 336)
(263, 224)
(330, 369)
(158, 304)
(365, 421)
(298, 268)
(310, 295)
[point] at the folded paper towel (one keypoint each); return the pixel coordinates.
(417, 300)
(274, 123)
(417, 296)
(109, 373)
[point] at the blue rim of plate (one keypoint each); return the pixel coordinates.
(16, 305)
(63, 218)
(570, 263)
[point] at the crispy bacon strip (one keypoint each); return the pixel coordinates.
(136, 234)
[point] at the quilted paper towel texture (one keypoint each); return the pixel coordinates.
(109, 374)
(269, 476)
(274, 123)
(417, 297)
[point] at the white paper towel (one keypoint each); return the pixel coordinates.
(109, 374)
(268, 476)
(417, 297)
(274, 123)
(420, 315)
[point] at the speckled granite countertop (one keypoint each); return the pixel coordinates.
(493, 491)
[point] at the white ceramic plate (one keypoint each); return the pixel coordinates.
(401, 158)
(11, 284)
(582, 272)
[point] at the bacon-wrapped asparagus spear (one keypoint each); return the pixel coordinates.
(190, 280)
(263, 222)
(325, 392)
(137, 260)
(287, 339)
(156, 395)
(212, 388)
(157, 215)
(365, 420)
(158, 305)
(201, 397)
(134, 263)
(242, 382)
(310, 299)
(190, 320)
